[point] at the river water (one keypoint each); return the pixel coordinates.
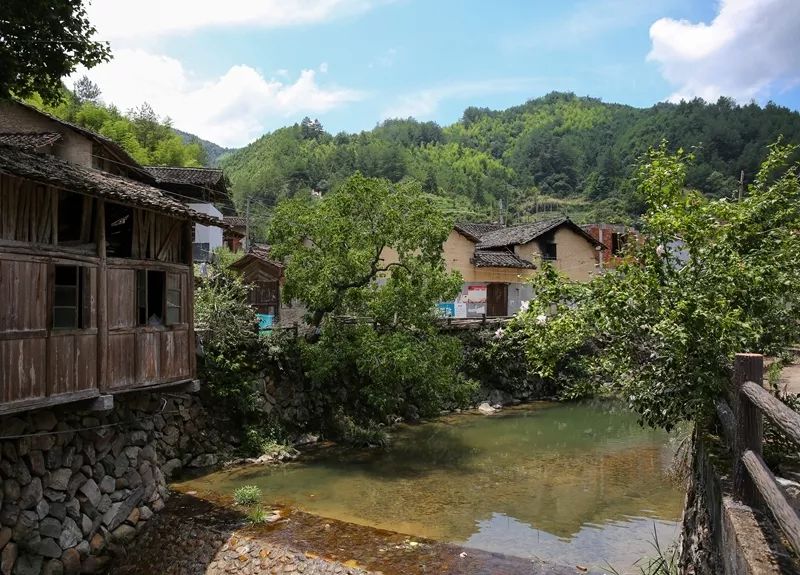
(576, 484)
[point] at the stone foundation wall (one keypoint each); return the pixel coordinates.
(76, 487)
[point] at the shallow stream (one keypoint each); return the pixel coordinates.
(576, 484)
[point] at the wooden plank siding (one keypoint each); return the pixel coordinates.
(109, 351)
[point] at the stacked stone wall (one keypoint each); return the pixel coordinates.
(77, 486)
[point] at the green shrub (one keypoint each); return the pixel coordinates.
(257, 515)
(265, 438)
(247, 495)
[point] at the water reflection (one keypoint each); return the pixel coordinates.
(571, 483)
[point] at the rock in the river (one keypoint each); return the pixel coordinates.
(205, 460)
(485, 408)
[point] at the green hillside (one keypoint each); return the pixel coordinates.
(559, 152)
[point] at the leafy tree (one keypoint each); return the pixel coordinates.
(142, 133)
(86, 91)
(711, 278)
(338, 247)
(373, 250)
(41, 42)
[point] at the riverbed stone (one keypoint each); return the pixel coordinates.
(11, 489)
(71, 560)
(107, 484)
(42, 508)
(50, 527)
(71, 534)
(36, 463)
(58, 510)
(171, 467)
(8, 557)
(92, 492)
(59, 479)
(31, 494)
(5, 536)
(49, 548)
(53, 567)
(28, 564)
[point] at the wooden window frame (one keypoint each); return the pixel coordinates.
(80, 306)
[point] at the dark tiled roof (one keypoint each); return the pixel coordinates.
(235, 221)
(28, 140)
(475, 231)
(490, 259)
(519, 234)
(204, 177)
(53, 171)
(524, 233)
(260, 252)
(125, 158)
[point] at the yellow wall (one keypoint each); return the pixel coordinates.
(576, 258)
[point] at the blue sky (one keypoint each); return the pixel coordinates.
(230, 71)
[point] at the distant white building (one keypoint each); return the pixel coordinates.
(201, 188)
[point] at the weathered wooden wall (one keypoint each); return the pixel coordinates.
(109, 352)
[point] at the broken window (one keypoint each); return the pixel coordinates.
(173, 299)
(75, 218)
(617, 243)
(119, 230)
(549, 251)
(150, 296)
(67, 297)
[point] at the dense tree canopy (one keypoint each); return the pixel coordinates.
(711, 278)
(41, 42)
(558, 152)
(148, 138)
(337, 248)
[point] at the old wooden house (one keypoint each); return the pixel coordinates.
(264, 277)
(95, 268)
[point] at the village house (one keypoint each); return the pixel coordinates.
(616, 237)
(96, 275)
(203, 189)
(496, 261)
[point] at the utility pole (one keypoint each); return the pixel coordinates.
(247, 226)
(741, 185)
(501, 211)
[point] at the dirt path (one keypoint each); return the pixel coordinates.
(193, 536)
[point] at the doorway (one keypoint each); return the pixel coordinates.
(497, 300)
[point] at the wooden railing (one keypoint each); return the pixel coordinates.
(742, 422)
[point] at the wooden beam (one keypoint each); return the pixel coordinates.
(784, 417)
(100, 403)
(165, 245)
(773, 497)
(102, 298)
(749, 424)
(43, 402)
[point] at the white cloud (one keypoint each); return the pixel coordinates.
(750, 50)
(230, 110)
(117, 20)
(424, 103)
(323, 68)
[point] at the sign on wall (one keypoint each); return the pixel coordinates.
(476, 294)
(447, 309)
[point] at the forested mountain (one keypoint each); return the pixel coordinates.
(559, 152)
(213, 151)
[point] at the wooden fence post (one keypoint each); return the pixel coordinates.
(749, 424)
